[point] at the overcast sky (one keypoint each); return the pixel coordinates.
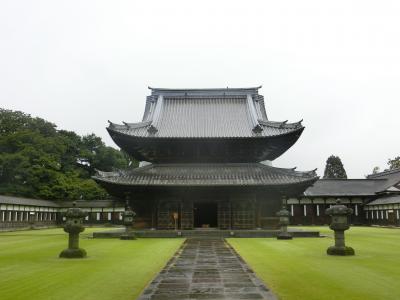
(334, 64)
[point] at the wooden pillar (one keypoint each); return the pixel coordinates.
(153, 214)
(180, 214)
(230, 213)
(258, 213)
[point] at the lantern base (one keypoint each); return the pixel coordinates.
(73, 253)
(341, 251)
(284, 236)
(128, 237)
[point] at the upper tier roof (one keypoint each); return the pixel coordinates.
(205, 125)
(205, 113)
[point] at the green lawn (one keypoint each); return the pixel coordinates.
(300, 269)
(30, 267)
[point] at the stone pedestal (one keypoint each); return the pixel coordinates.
(284, 215)
(128, 235)
(129, 221)
(73, 250)
(340, 248)
(74, 226)
(339, 214)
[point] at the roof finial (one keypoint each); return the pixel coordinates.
(283, 124)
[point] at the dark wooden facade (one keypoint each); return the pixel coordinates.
(224, 208)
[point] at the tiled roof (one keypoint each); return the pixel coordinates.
(93, 203)
(345, 187)
(392, 178)
(390, 199)
(47, 203)
(218, 174)
(26, 201)
(205, 113)
(375, 183)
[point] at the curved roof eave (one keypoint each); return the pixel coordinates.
(117, 128)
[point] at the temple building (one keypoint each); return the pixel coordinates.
(206, 161)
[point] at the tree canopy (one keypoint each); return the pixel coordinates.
(376, 170)
(37, 160)
(334, 168)
(394, 163)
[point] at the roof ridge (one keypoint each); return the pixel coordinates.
(206, 164)
(384, 173)
(205, 89)
(353, 179)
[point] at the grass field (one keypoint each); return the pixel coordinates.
(30, 267)
(300, 269)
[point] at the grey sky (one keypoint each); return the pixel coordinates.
(334, 64)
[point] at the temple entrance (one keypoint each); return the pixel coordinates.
(205, 214)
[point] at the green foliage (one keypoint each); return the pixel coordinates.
(334, 168)
(375, 170)
(39, 161)
(394, 163)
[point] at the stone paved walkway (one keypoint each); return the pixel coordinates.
(206, 269)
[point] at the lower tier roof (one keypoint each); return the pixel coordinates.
(207, 175)
(388, 199)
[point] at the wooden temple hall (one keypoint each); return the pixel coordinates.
(205, 161)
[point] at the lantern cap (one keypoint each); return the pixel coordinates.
(283, 212)
(75, 212)
(339, 209)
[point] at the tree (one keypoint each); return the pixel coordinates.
(334, 168)
(39, 161)
(376, 170)
(394, 163)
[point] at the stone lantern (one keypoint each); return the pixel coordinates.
(339, 224)
(32, 220)
(128, 218)
(74, 226)
(284, 221)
